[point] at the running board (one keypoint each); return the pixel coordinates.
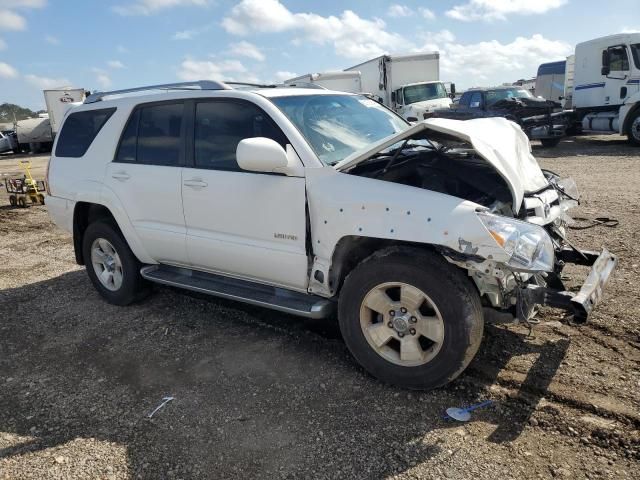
(283, 300)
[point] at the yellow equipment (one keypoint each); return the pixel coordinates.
(25, 189)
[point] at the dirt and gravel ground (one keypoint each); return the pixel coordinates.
(260, 394)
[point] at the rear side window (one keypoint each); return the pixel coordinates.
(221, 125)
(79, 131)
(153, 135)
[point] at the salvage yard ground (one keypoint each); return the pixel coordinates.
(260, 394)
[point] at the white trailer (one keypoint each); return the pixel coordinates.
(58, 101)
(409, 84)
(606, 92)
(549, 83)
(569, 72)
(34, 134)
(339, 81)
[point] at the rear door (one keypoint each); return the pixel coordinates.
(146, 176)
(244, 224)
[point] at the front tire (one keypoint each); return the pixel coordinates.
(633, 129)
(111, 265)
(410, 318)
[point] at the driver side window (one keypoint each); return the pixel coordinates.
(618, 59)
(475, 100)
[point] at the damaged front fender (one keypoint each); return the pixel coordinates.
(342, 205)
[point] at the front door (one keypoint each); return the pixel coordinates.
(244, 224)
(616, 90)
(146, 177)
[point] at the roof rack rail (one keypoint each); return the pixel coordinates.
(203, 84)
(303, 85)
(247, 84)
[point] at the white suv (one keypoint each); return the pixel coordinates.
(302, 199)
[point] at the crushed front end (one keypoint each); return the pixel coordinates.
(513, 292)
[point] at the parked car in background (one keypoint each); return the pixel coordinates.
(8, 141)
(302, 200)
(540, 119)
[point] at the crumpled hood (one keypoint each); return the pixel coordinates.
(500, 142)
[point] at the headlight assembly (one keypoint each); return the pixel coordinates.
(528, 245)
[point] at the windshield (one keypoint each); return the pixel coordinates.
(338, 125)
(422, 92)
(635, 52)
(494, 96)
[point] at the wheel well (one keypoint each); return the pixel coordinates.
(630, 115)
(352, 250)
(84, 215)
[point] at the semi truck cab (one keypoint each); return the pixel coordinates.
(606, 94)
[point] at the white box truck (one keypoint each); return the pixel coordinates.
(606, 91)
(408, 84)
(58, 101)
(340, 81)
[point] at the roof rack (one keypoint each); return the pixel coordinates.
(203, 84)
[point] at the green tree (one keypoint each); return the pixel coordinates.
(10, 112)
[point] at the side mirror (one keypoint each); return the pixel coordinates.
(605, 63)
(393, 97)
(452, 90)
(264, 155)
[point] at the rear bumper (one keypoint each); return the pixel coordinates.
(580, 304)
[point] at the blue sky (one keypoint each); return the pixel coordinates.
(114, 44)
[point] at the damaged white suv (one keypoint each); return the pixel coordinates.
(303, 200)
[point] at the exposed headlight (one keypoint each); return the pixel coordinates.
(528, 245)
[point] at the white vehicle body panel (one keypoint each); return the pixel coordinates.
(343, 205)
(247, 224)
(501, 142)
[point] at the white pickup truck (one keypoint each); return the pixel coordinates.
(307, 201)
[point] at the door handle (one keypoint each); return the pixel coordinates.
(195, 183)
(122, 176)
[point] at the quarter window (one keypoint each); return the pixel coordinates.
(79, 131)
(221, 125)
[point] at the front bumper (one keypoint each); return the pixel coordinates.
(580, 304)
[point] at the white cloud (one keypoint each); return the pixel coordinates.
(52, 40)
(426, 13)
(492, 62)
(351, 36)
(229, 70)
(396, 10)
(630, 30)
(46, 82)
(246, 49)
(282, 76)
(7, 71)
(184, 35)
(116, 64)
(490, 10)
(149, 7)
(23, 3)
(103, 80)
(11, 21)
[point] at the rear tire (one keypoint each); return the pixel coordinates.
(633, 129)
(13, 201)
(417, 347)
(22, 202)
(111, 265)
(550, 142)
